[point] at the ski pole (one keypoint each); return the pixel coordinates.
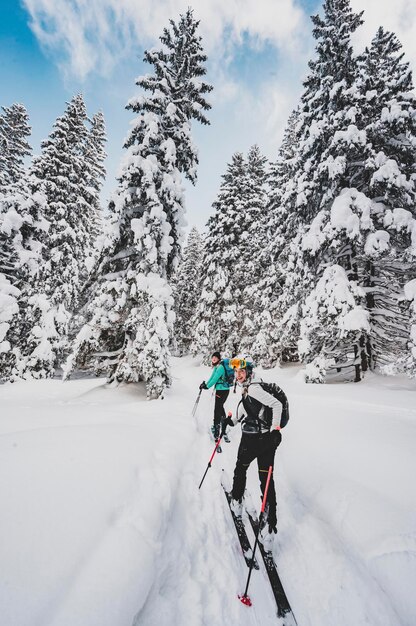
(209, 462)
(196, 403)
(245, 598)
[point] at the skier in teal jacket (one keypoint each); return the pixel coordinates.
(222, 389)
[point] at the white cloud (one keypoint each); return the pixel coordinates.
(398, 16)
(87, 36)
(92, 35)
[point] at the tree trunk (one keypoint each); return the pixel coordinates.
(370, 272)
(357, 365)
(363, 352)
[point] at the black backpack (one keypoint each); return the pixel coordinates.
(277, 392)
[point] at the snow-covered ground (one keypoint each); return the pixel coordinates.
(102, 523)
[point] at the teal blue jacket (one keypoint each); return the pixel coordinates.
(217, 378)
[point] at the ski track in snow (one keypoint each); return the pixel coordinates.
(330, 566)
(153, 550)
(199, 584)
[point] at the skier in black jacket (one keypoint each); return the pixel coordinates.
(259, 440)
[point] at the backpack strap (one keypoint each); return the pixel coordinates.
(259, 420)
(241, 418)
(223, 378)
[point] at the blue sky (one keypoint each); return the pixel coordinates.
(258, 52)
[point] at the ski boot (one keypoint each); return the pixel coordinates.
(268, 529)
(237, 507)
(215, 430)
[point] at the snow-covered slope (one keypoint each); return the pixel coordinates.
(102, 523)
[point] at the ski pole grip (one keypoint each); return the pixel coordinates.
(269, 475)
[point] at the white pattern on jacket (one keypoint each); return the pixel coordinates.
(266, 399)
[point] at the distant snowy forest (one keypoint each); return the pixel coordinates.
(309, 258)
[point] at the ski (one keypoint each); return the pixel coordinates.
(242, 535)
(283, 607)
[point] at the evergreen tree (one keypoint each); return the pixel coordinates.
(387, 111)
(327, 106)
(22, 230)
(131, 318)
(326, 110)
(10, 222)
(22, 227)
(14, 147)
(226, 316)
(331, 150)
(249, 262)
(308, 175)
(187, 291)
(332, 321)
(220, 307)
(275, 337)
(56, 177)
(94, 157)
(368, 230)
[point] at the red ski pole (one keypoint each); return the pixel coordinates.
(209, 462)
(245, 598)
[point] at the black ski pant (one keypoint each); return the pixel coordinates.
(261, 447)
(219, 412)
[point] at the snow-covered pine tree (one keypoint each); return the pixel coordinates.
(249, 263)
(56, 176)
(387, 112)
(368, 227)
(327, 106)
(331, 151)
(331, 316)
(220, 307)
(9, 292)
(21, 229)
(130, 320)
(94, 157)
(307, 174)
(9, 310)
(274, 338)
(225, 318)
(93, 154)
(187, 292)
(14, 146)
(22, 234)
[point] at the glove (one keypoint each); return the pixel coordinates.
(226, 422)
(203, 385)
(276, 437)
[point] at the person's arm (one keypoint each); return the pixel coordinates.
(215, 376)
(231, 420)
(257, 392)
(239, 414)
